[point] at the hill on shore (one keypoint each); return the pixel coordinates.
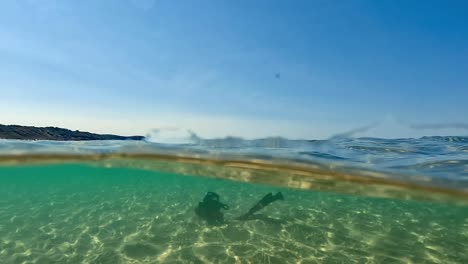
(54, 133)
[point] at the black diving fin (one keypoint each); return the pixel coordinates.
(266, 200)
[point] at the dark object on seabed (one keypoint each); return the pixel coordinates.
(210, 209)
(266, 200)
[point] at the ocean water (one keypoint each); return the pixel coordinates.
(346, 201)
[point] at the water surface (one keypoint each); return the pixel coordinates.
(91, 203)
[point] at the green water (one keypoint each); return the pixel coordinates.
(83, 214)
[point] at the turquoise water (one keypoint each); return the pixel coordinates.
(81, 213)
(346, 201)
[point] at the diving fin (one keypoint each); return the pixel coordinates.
(266, 200)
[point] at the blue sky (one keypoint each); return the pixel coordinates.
(130, 66)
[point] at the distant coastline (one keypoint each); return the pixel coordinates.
(55, 133)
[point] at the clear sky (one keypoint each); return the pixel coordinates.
(252, 68)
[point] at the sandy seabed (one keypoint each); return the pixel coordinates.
(83, 214)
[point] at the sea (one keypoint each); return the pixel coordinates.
(346, 200)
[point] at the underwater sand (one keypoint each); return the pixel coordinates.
(77, 213)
